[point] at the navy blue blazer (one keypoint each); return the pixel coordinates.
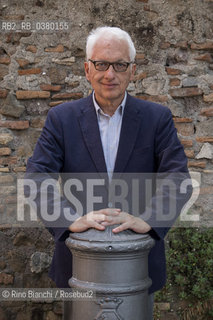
(70, 142)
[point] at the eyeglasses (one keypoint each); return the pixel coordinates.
(104, 65)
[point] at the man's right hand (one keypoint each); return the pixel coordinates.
(94, 219)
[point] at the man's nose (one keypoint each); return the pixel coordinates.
(110, 72)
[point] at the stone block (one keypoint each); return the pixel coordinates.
(28, 94)
(55, 103)
(23, 62)
(29, 71)
(59, 48)
(205, 152)
(37, 122)
(208, 45)
(204, 139)
(175, 82)
(68, 95)
(5, 60)
(5, 151)
(173, 71)
(208, 98)
(190, 82)
(39, 261)
(185, 92)
(185, 129)
(190, 153)
(182, 120)
(5, 138)
(6, 278)
(11, 107)
(181, 44)
(3, 93)
(15, 125)
(157, 98)
(3, 71)
(31, 48)
(50, 87)
(197, 164)
(208, 112)
(65, 61)
(187, 143)
(165, 45)
(204, 57)
(141, 76)
(57, 75)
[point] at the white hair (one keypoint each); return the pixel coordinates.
(109, 33)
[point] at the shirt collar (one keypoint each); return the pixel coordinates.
(98, 108)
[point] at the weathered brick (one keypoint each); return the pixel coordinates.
(158, 98)
(145, 1)
(65, 61)
(206, 190)
(19, 169)
(5, 138)
(208, 112)
(205, 57)
(5, 60)
(204, 139)
(31, 48)
(181, 44)
(15, 125)
(185, 129)
(6, 278)
(27, 94)
(3, 93)
(190, 153)
(59, 48)
(4, 170)
(55, 103)
(182, 120)
(173, 71)
(5, 151)
(29, 71)
(185, 92)
(141, 76)
(175, 82)
(165, 45)
(208, 98)
(5, 226)
(50, 87)
(68, 95)
(8, 161)
(14, 17)
(187, 143)
(197, 164)
(23, 62)
(208, 45)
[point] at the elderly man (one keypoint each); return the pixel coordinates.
(109, 131)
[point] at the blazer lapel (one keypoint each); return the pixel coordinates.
(129, 130)
(90, 130)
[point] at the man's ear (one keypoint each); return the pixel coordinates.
(133, 71)
(86, 68)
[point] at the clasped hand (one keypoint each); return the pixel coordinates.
(110, 216)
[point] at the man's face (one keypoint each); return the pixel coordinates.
(109, 85)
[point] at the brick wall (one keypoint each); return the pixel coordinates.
(41, 69)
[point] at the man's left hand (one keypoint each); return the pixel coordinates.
(128, 221)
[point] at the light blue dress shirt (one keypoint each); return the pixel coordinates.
(110, 128)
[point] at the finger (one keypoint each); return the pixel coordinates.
(110, 211)
(122, 227)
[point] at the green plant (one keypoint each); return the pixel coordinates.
(190, 262)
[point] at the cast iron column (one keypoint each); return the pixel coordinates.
(115, 267)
